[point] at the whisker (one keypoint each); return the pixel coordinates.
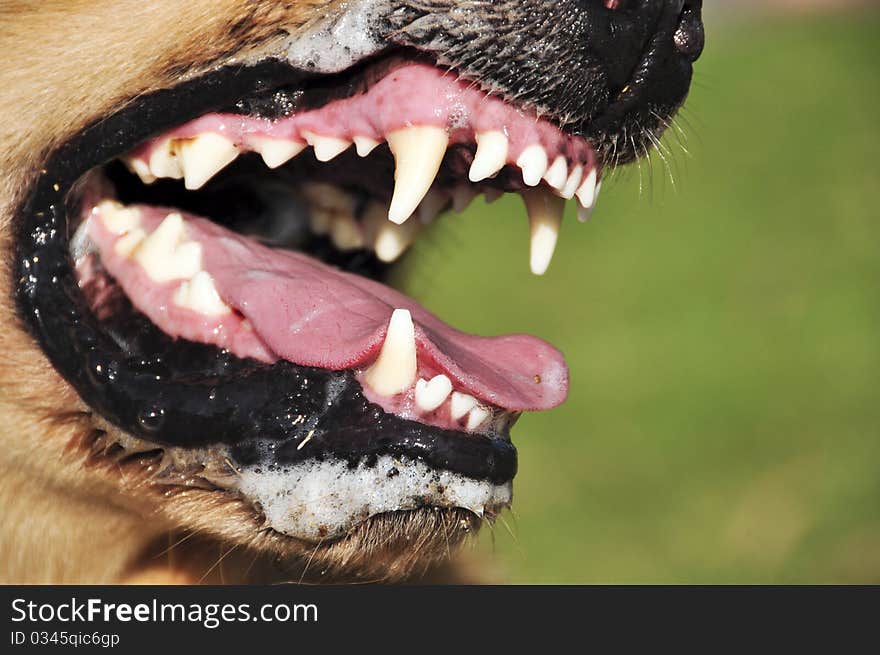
(217, 563)
(175, 544)
(309, 562)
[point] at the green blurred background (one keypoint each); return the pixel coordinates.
(723, 334)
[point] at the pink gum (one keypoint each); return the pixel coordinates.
(414, 95)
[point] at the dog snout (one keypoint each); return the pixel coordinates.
(689, 38)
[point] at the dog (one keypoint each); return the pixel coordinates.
(203, 376)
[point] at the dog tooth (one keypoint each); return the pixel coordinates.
(573, 182)
(545, 211)
(533, 162)
(418, 153)
(187, 259)
(166, 237)
(345, 233)
(326, 147)
(461, 404)
(431, 394)
(477, 417)
(200, 295)
(326, 203)
(329, 197)
(491, 155)
(126, 244)
(492, 194)
(462, 196)
(276, 152)
(164, 256)
(320, 221)
(164, 161)
(396, 368)
(584, 213)
(588, 194)
(140, 168)
(203, 156)
(375, 216)
(434, 203)
(557, 175)
(364, 145)
(117, 218)
(391, 240)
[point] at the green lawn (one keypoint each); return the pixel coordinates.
(724, 336)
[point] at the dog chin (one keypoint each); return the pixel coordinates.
(337, 536)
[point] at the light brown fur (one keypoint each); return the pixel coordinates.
(77, 507)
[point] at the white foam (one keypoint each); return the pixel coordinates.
(321, 500)
(340, 39)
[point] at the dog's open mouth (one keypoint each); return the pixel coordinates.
(206, 267)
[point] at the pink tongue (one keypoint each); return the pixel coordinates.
(314, 315)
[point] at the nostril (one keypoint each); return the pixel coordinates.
(689, 38)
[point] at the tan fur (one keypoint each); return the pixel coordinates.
(77, 507)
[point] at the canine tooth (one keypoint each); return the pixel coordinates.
(391, 240)
(276, 152)
(140, 168)
(345, 233)
(533, 162)
(461, 404)
(573, 182)
(462, 196)
(204, 156)
(164, 256)
(477, 417)
(164, 161)
(126, 244)
(117, 218)
(364, 145)
(545, 217)
(557, 175)
(431, 394)
(432, 205)
(200, 295)
(491, 155)
(395, 370)
(326, 147)
(418, 153)
(492, 194)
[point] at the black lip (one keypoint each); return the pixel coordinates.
(205, 397)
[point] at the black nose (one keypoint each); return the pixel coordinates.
(689, 38)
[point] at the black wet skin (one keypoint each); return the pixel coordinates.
(615, 77)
